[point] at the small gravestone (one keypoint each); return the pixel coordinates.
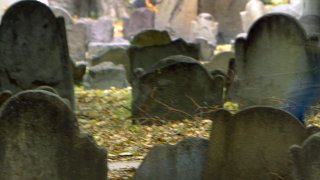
(40, 139)
(306, 160)
(141, 19)
(151, 38)
(115, 53)
(105, 75)
(226, 12)
(220, 62)
(33, 50)
(176, 88)
(270, 61)
(176, 17)
(171, 162)
(252, 144)
(146, 57)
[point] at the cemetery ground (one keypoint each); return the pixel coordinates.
(105, 114)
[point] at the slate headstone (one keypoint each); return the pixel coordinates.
(252, 144)
(33, 50)
(151, 38)
(141, 19)
(40, 139)
(146, 57)
(176, 88)
(270, 61)
(306, 161)
(181, 161)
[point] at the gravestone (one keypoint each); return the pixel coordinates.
(146, 57)
(270, 62)
(176, 16)
(254, 10)
(40, 139)
(220, 62)
(306, 161)
(226, 12)
(286, 9)
(101, 30)
(84, 8)
(33, 50)
(105, 75)
(176, 88)
(311, 23)
(311, 7)
(252, 144)
(181, 161)
(151, 38)
(141, 19)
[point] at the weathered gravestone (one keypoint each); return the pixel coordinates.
(306, 161)
(270, 61)
(141, 19)
(311, 23)
(146, 57)
(101, 30)
(40, 139)
(171, 162)
(176, 17)
(252, 144)
(254, 10)
(83, 8)
(176, 88)
(226, 12)
(33, 50)
(151, 38)
(105, 75)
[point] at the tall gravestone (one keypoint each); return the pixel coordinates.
(270, 61)
(40, 139)
(33, 50)
(176, 88)
(306, 161)
(252, 144)
(227, 13)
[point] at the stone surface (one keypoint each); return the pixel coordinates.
(141, 19)
(105, 75)
(176, 88)
(101, 30)
(220, 62)
(171, 162)
(253, 11)
(227, 13)
(146, 57)
(311, 24)
(286, 9)
(272, 59)
(33, 50)
(176, 17)
(151, 38)
(115, 53)
(306, 161)
(40, 139)
(252, 144)
(84, 8)
(77, 41)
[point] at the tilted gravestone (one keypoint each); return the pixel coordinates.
(176, 88)
(151, 38)
(40, 139)
(306, 161)
(140, 19)
(181, 161)
(33, 50)
(146, 57)
(270, 61)
(252, 144)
